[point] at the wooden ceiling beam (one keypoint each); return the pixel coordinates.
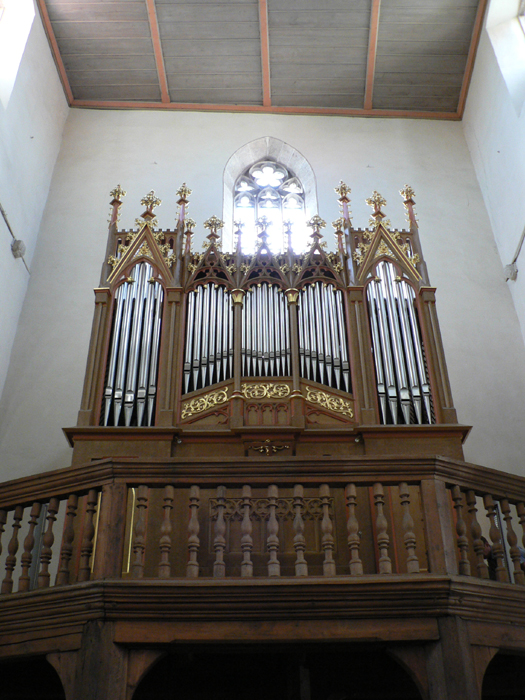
(265, 52)
(250, 109)
(476, 33)
(157, 49)
(55, 50)
(372, 52)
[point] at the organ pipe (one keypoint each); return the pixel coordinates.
(399, 360)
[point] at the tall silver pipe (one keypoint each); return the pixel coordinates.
(272, 321)
(415, 389)
(145, 350)
(319, 314)
(196, 350)
(258, 330)
(302, 343)
(205, 333)
(189, 341)
(120, 303)
(386, 347)
(123, 347)
(265, 328)
(409, 297)
(225, 333)
(376, 346)
(397, 344)
(220, 328)
(336, 352)
(287, 346)
(213, 326)
(230, 339)
(155, 347)
(244, 334)
(281, 301)
(345, 366)
(133, 356)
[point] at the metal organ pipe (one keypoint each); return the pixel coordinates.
(398, 349)
(133, 357)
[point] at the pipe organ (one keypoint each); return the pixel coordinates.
(313, 340)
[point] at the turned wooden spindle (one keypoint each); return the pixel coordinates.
(461, 531)
(165, 533)
(192, 568)
(512, 539)
(409, 537)
(68, 536)
(139, 534)
(24, 581)
(495, 536)
(219, 543)
(86, 547)
(299, 540)
(12, 549)
(475, 531)
(520, 508)
(246, 533)
(3, 520)
(47, 544)
(383, 540)
(352, 526)
(272, 541)
(327, 540)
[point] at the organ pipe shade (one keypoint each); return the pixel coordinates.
(403, 386)
(265, 345)
(130, 387)
(208, 351)
(323, 346)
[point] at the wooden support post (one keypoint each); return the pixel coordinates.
(110, 535)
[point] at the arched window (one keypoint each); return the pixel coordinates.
(268, 189)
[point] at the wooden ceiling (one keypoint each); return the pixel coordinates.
(356, 57)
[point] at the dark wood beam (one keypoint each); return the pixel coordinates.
(55, 50)
(372, 51)
(157, 48)
(476, 33)
(265, 52)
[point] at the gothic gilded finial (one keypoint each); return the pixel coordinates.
(150, 201)
(213, 223)
(342, 190)
(190, 224)
(407, 193)
(376, 201)
(117, 193)
(184, 191)
(338, 224)
(316, 224)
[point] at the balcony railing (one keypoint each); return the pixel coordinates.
(252, 519)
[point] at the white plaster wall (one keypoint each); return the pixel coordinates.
(160, 150)
(30, 136)
(494, 124)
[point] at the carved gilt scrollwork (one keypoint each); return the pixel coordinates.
(265, 391)
(332, 403)
(203, 403)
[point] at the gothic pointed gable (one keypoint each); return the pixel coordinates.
(264, 265)
(210, 266)
(145, 244)
(317, 263)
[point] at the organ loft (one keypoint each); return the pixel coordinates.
(267, 497)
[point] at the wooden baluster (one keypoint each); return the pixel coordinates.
(3, 520)
(139, 535)
(299, 541)
(12, 549)
(192, 569)
(461, 531)
(219, 544)
(29, 542)
(47, 544)
(495, 536)
(86, 548)
(327, 540)
(475, 531)
(512, 539)
(383, 540)
(165, 533)
(520, 507)
(352, 526)
(272, 541)
(408, 528)
(67, 541)
(246, 533)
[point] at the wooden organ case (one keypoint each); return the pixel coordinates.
(309, 353)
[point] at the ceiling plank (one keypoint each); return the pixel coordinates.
(476, 33)
(157, 49)
(372, 52)
(265, 52)
(56, 51)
